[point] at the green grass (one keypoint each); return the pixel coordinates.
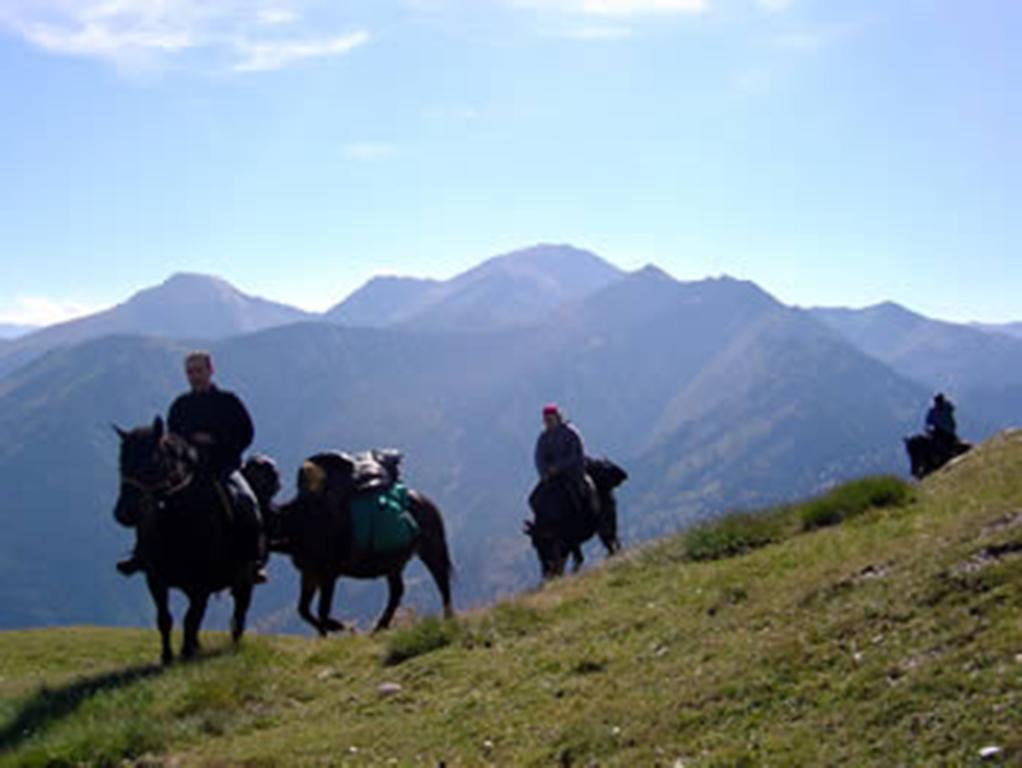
(423, 637)
(854, 499)
(740, 533)
(893, 637)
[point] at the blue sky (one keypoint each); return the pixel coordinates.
(838, 152)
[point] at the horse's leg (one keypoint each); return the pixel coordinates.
(433, 550)
(439, 566)
(577, 558)
(326, 602)
(193, 619)
(608, 526)
(242, 593)
(309, 586)
(164, 620)
(396, 585)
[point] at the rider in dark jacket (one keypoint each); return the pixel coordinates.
(940, 422)
(218, 425)
(559, 449)
(560, 457)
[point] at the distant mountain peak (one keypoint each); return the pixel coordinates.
(511, 289)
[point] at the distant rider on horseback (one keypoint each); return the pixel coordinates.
(940, 423)
(560, 457)
(217, 424)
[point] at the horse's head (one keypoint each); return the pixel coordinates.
(152, 463)
(550, 550)
(605, 473)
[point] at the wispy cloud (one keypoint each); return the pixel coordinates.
(265, 55)
(154, 33)
(41, 310)
(369, 150)
(617, 7)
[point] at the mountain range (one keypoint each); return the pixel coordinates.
(14, 330)
(712, 393)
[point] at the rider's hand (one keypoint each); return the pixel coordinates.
(202, 438)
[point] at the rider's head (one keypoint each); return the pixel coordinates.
(939, 398)
(199, 369)
(551, 416)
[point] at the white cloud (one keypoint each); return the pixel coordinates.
(41, 310)
(275, 16)
(154, 33)
(266, 55)
(369, 150)
(617, 7)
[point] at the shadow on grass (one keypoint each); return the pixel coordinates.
(50, 705)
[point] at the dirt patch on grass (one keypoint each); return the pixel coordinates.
(988, 556)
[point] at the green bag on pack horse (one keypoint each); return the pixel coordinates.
(380, 521)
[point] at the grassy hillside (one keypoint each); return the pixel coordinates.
(837, 636)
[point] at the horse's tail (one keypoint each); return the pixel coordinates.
(433, 549)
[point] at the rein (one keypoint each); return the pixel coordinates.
(165, 487)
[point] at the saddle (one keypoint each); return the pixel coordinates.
(352, 474)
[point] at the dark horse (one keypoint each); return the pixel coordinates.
(184, 531)
(560, 529)
(927, 454)
(313, 529)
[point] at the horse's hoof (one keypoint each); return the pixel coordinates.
(333, 625)
(167, 659)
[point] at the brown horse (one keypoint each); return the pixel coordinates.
(313, 529)
(185, 536)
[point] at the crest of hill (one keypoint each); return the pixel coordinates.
(515, 289)
(887, 639)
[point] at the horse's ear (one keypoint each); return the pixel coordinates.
(120, 432)
(158, 426)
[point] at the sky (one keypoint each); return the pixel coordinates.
(837, 152)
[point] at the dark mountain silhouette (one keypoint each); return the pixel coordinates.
(713, 394)
(518, 288)
(185, 306)
(981, 370)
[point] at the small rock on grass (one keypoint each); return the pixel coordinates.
(990, 753)
(389, 689)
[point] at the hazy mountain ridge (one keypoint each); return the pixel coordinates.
(10, 331)
(185, 306)
(982, 371)
(513, 289)
(712, 393)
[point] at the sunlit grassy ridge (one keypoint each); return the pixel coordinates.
(891, 636)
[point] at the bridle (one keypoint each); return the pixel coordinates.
(168, 486)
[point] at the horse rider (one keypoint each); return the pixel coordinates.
(940, 423)
(217, 424)
(560, 456)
